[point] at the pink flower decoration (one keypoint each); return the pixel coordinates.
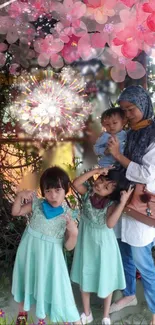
(122, 66)
(13, 69)
(129, 3)
(71, 10)
(48, 50)
(150, 8)
(135, 35)
(70, 51)
(100, 10)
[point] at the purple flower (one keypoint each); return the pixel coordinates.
(2, 313)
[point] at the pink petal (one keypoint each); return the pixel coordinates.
(110, 4)
(12, 36)
(3, 47)
(100, 17)
(151, 22)
(49, 39)
(130, 49)
(81, 31)
(149, 39)
(68, 4)
(109, 58)
(84, 47)
(129, 3)
(117, 41)
(56, 61)
(125, 15)
(98, 40)
(135, 70)
(13, 69)
(39, 45)
(78, 10)
(57, 45)
(117, 74)
(147, 8)
(43, 60)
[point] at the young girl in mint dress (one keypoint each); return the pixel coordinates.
(40, 274)
(97, 265)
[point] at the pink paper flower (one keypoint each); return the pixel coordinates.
(70, 51)
(100, 10)
(135, 35)
(48, 50)
(122, 66)
(149, 7)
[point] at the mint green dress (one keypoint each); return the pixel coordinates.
(40, 275)
(97, 264)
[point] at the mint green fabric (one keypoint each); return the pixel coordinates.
(97, 265)
(40, 274)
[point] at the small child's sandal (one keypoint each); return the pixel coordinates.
(21, 319)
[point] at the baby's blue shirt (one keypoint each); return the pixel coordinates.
(101, 145)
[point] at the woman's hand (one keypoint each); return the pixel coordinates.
(114, 147)
(125, 195)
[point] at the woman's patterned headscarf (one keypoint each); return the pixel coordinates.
(139, 140)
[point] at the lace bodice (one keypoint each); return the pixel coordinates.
(95, 216)
(51, 227)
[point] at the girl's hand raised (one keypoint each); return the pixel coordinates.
(104, 171)
(26, 195)
(71, 226)
(125, 195)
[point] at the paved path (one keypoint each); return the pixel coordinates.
(138, 315)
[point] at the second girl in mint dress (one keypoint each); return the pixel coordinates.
(97, 265)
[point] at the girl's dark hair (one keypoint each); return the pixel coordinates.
(54, 177)
(122, 183)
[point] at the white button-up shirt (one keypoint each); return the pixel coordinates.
(131, 231)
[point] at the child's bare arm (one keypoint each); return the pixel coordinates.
(79, 181)
(20, 209)
(71, 234)
(115, 211)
